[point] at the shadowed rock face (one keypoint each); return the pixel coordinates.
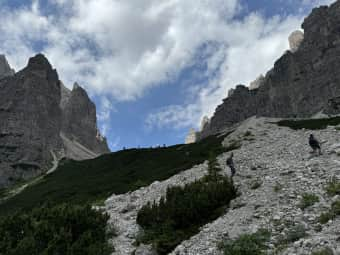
(32, 121)
(301, 82)
(5, 69)
(80, 121)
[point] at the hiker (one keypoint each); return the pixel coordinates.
(314, 144)
(231, 165)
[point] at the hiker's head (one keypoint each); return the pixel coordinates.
(311, 136)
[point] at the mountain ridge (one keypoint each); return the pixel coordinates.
(303, 82)
(33, 121)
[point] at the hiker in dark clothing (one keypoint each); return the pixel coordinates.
(231, 165)
(314, 144)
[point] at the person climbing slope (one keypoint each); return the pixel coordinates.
(314, 144)
(230, 164)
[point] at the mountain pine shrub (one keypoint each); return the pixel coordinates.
(183, 210)
(247, 244)
(62, 229)
(308, 200)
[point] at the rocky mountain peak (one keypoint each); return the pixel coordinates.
(303, 82)
(39, 62)
(5, 69)
(42, 120)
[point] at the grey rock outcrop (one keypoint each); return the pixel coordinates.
(80, 121)
(35, 121)
(257, 83)
(30, 120)
(300, 83)
(278, 158)
(5, 69)
(295, 40)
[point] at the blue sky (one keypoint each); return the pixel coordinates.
(154, 68)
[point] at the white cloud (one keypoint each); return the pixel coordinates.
(112, 46)
(120, 49)
(250, 49)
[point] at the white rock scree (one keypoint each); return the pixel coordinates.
(274, 156)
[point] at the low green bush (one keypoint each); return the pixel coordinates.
(324, 251)
(183, 210)
(247, 244)
(308, 200)
(295, 233)
(333, 187)
(62, 229)
(331, 214)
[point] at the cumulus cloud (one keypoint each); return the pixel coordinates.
(250, 49)
(120, 49)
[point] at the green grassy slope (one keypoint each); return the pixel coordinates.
(119, 172)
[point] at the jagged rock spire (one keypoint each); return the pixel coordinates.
(5, 69)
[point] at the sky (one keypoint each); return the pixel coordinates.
(154, 68)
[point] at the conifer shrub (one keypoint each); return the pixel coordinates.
(333, 187)
(183, 210)
(308, 200)
(331, 214)
(324, 251)
(247, 244)
(96, 179)
(62, 229)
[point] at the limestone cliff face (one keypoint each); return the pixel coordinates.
(301, 82)
(30, 120)
(80, 121)
(33, 121)
(5, 69)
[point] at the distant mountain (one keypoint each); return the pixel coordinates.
(304, 81)
(42, 121)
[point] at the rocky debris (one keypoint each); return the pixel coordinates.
(300, 83)
(295, 39)
(5, 69)
(34, 112)
(279, 160)
(123, 209)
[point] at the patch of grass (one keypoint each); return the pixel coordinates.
(63, 229)
(312, 124)
(294, 233)
(333, 187)
(183, 210)
(331, 214)
(247, 244)
(325, 217)
(324, 251)
(79, 182)
(308, 200)
(278, 187)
